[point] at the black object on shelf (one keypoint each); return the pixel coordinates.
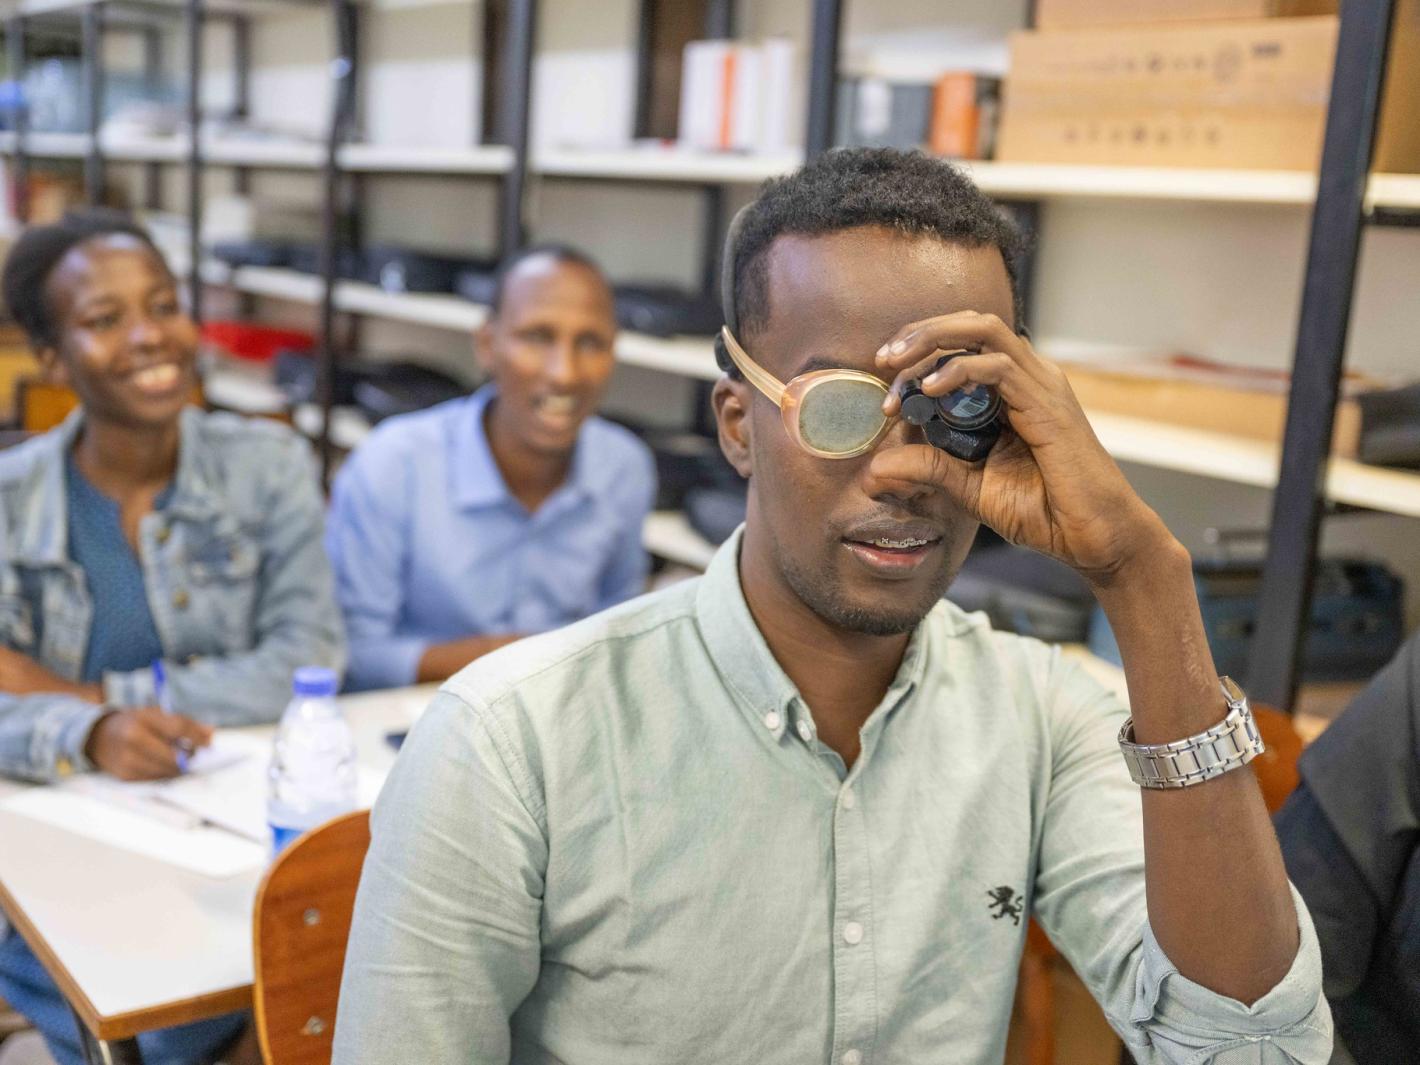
(254, 252)
(664, 311)
(1390, 427)
(477, 284)
(349, 265)
(1355, 624)
(716, 512)
(397, 269)
(379, 390)
(1023, 591)
(685, 461)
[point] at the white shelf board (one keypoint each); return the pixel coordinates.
(276, 153)
(139, 148)
(686, 356)
(438, 311)
(259, 151)
(664, 164)
(1251, 462)
(393, 159)
(1005, 180)
(58, 145)
(668, 535)
(1280, 187)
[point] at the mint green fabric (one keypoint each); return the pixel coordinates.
(623, 844)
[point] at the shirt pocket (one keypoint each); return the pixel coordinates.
(17, 630)
(223, 573)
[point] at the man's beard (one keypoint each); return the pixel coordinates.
(820, 593)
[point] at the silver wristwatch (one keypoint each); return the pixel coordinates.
(1209, 754)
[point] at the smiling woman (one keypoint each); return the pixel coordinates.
(141, 537)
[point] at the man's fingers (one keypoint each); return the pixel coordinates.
(178, 729)
(995, 369)
(148, 754)
(965, 330)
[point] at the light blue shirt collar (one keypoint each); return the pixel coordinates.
(476, 479)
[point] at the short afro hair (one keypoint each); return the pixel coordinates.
(39, 250)
(912, 193)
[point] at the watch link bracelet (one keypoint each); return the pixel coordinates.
(1211, 753)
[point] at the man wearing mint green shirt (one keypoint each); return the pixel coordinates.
(455, 530)
(802, 809)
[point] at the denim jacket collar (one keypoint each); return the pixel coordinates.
(43, 534)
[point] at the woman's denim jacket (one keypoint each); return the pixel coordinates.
(237, 580)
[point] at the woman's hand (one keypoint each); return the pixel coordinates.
(144, 744)
(1048, 484)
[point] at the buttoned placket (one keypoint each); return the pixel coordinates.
(853, 940)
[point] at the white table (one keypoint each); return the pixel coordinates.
(137, 944)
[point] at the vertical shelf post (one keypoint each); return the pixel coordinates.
(16, 55)
(342, 110)
(92, 47)
(823, 75)
(1274, 662)
(515, 111)
(192, 31)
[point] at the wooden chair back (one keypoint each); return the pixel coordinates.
(41, 406)
(299, 931)
(1276, 767)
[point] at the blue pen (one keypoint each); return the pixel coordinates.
(165, 704)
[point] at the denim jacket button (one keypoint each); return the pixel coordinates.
(180, 599)
(164, 531)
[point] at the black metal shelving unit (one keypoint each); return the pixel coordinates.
(1337, 221)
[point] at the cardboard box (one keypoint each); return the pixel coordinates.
(1078, 14)
(1237, 95)
(1208, 396)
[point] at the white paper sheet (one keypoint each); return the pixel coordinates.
(207, 851)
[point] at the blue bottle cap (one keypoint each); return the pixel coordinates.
(315, 682)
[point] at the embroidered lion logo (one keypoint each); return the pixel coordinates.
(1005, 898)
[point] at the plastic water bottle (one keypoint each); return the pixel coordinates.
(312, 774)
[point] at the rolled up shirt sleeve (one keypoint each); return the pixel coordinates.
(41, 734)
(1178, 1020)
(1091, 901)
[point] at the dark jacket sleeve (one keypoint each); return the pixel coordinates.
(1349, 832)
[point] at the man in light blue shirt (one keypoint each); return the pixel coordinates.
(458, 529)
(803, 809)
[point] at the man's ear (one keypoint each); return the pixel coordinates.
(731, 402)
(483, 346)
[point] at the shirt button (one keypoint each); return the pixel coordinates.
(852, 1057)
(852, 933)
(806, 732)
(163, 533)
(772, 720)
(180, 599)
(849, 800)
